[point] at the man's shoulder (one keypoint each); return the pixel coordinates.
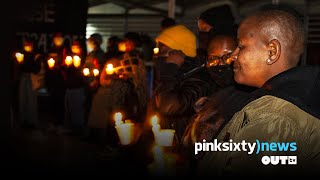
(268, 109)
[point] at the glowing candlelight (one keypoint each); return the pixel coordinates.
(51, 62)
(118, 118)
(109, 69)
(125, 130)
(86, 72)
(96, 72)
(68, 60)
(163, 137)
(76, 61)
(19, 57)
(122, 47)
(156, 50)
(155, 126)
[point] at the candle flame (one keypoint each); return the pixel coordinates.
(68, 60)
(19, 57)
(154, 120)
(110, 69)
(51, 62)
(117, 116)
(76, 61)
(86, 71)
(156, 50)
(95, 72)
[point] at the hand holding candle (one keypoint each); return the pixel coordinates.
(51, 63)
(19, 57)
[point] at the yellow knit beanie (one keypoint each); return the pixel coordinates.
(179, 37)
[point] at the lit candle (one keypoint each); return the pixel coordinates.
(122, 47)
(96, 72)
(86, 72)
(68, 60)
(19, 57)
(110, 69)
(124, 130)
(76, 61)
(51, 62)
(118, 118)
(155, 126)
(156, 50)
(163, 137)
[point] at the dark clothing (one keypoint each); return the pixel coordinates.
(174, 97)
(298, 85)
(96, 59)
(31, 63)
(55, 83)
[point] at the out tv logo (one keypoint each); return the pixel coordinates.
(279, 160)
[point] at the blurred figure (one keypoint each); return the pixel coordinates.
(214, 21)
(175, 94)
(30, 64)
(96, 55)
(75, 95)
(95, 61)
(112, 48)
(167, 22)
(123, 89)
(55, 79)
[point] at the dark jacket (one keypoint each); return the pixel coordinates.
(289, 101)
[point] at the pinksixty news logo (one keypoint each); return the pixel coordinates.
(256, 147)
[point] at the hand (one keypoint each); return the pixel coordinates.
(176, 57)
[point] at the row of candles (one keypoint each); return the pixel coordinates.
(75, 61)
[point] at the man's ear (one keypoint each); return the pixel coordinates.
(274, 48)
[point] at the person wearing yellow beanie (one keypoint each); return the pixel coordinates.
(179, 37)
(174, 93)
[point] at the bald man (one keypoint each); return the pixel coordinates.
(281, 118)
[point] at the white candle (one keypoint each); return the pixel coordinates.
(124, 130)
(165, 137)
(126, 133)
(68, 60)
(76, 61)
(110, 69)
(86, 72)
(51, 62)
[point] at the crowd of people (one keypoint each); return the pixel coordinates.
(243, 87)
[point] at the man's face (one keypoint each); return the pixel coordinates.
(250, 57)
